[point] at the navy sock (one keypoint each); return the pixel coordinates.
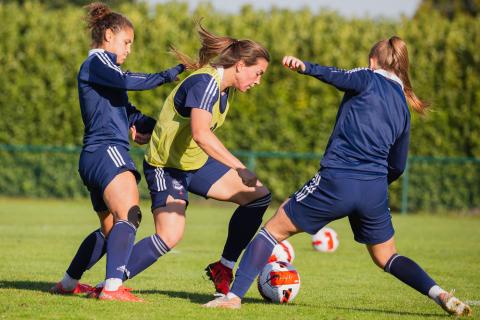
(144, 254)
(119, 247)
(409, 273)
(253, 260)
(243, 226)
(90, 251)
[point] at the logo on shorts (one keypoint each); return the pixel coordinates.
(177, 185)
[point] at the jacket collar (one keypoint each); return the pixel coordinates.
(111, 55)
(389, 75)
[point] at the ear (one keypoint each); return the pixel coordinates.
(108, 35)
(239, 66)
(373, 64)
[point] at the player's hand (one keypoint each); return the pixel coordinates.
(248, 178)
(293, 63)
(140, 138)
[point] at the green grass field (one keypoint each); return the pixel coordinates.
(39, 237)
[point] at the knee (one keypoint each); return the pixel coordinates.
(134, 216)
(261, 200)
(383, 261)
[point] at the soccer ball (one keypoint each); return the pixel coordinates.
(325, 240)
(283, 251)
(279, 282)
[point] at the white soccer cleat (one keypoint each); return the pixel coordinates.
(225, 303)
(453, 305)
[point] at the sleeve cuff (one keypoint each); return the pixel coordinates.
(308, 68)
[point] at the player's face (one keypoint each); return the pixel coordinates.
(119, 43)
(249, 76)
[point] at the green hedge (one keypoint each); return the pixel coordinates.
(41, 50)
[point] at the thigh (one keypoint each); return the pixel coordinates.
(166, 182)
(371, 222)
(121, 194)
(215, 180)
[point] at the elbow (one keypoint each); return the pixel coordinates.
(199, 137)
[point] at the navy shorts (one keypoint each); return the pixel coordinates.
(163, 182)
(98, 168)
(327, 197)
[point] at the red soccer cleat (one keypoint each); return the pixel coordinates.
(122, 294)
(221, 276)
(80, 288)
(96, 292)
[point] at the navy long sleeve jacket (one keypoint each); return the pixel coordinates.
(372, 128)
(106, 112)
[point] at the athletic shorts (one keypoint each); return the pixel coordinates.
(164, 182)
(98, 168)
(327, 197)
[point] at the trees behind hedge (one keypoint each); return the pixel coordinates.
(42, 49)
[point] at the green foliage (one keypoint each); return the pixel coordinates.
(42, 49)
(451, 8)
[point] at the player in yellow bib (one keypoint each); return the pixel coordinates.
(185, 155)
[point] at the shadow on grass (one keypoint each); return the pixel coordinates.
(400, 313)
(41, 286)
(194, 297)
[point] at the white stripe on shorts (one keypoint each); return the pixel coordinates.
(308, 189)
(160, 178)
(110, 153)
(119, 155)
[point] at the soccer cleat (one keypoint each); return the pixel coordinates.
(122, 294)
(453, 305)
(80, 288)
(96, 292)
(221, 276)
(224, 303)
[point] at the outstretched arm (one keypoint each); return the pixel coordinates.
(355, 80)
(104, 72)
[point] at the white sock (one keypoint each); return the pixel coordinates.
(434, 293)
(231, 295)
(68, 283)
(227, 263)
(112, 284)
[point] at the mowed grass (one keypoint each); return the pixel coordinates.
(39, 237)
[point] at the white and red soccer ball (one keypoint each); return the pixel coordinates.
(283, 251)
(325, 240)
(279, 282)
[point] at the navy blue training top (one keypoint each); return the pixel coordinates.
(106, 112)
(198, 91)
(371, 133)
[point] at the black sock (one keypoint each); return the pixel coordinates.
(243, 225)
(90, 251)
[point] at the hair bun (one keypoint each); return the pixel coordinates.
(96, 11)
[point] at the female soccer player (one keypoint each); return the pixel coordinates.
(105, 165)
(366, 151)
(184, 154)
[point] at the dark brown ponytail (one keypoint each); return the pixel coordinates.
(222, 51)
